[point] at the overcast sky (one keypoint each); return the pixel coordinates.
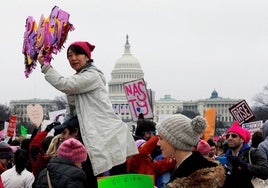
(185, 48)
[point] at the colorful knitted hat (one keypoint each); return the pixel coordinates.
(73, 150)
(236, 128)
(181, 132)
(88, 48)
(203, 147)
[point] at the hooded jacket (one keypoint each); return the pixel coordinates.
(106, 137)
(263, 146)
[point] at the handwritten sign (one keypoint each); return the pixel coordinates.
(127, 181)
(35, 113)
(138, 99)
(241, 112)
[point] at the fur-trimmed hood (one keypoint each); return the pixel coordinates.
(212, 177)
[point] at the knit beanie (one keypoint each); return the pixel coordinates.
(5, 151)
(139, 142)
(236, 128)
(203, 147)
(73, 150)
(88, 48)
(181, 132)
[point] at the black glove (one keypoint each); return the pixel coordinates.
(50, 126)
(237, 164)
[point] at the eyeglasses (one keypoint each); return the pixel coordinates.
(232, 135)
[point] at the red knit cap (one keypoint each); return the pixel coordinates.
(236, 128)
(88, 48)
(73, 150)
(203, 147)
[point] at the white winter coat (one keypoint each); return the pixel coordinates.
(106, 137)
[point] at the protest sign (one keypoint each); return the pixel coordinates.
(138, 99)
(242, 112)
(127, 180)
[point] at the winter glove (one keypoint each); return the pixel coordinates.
(238, 164)
(50, 126)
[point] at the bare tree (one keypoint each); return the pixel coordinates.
(61, 102)
(260, 108)
(4, 115)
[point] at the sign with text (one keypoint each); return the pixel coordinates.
(242, 112)
(253, 126)
(127, 180)
(138, 99)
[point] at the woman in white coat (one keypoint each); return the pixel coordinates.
(106, 137)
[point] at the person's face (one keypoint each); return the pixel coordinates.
(234, 140)
(77, 61)
(166, 148)
(66, 134)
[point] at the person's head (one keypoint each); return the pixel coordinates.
(236, 136)
(257, 138)
(69, 128)
(73, 150)
(79, 53)
(213, 148)
(6, 154)
(21, 160)
(203, 147)
(179, 132)
(145, 129)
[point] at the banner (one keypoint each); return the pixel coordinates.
(138, 99)
(127, 181)
(210, 116)
(12, 126)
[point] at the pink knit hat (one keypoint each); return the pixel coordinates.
(236, 128)
(88, 48)
(203, 147)
(73, 150)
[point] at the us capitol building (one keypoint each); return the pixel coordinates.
(128, 68)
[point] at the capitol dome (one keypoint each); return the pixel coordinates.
(126, 68)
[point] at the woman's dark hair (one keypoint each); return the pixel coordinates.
(21, 160)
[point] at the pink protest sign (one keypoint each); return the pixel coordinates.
(49, 35)
(138, 99)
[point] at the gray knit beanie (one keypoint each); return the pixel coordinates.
(181, 132)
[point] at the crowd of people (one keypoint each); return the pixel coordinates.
(93, 142)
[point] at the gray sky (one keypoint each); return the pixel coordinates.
(186, 48)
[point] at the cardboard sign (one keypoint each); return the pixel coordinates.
(35, 113)
(138, 99)
(242, 112)
(127, 181)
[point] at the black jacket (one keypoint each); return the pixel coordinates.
(63, 173)
(240, 172)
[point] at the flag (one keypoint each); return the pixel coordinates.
(23, 131)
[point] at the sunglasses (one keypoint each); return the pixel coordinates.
(232, 135)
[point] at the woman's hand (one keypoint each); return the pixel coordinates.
(40, 57)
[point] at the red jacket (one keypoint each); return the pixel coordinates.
(142, 163)
(40, 160)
